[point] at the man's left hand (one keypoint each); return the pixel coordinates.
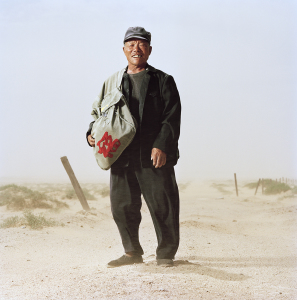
(158, 157)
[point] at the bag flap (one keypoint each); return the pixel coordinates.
(111, 99)
(115, 94)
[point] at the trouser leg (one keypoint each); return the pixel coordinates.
(125, 197)
(160, 192)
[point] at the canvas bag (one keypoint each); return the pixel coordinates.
(115, 127)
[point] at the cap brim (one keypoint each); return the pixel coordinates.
(136, 37)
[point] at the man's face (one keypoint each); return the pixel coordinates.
(137, 52)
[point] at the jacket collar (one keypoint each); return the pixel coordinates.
(149, 68)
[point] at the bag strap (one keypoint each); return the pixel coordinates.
(120, 77)
(119, 83)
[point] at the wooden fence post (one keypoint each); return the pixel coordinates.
(236, 184)
(75, 183)
(257, 186)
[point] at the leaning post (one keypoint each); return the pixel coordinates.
(257, 186)
(75, 183)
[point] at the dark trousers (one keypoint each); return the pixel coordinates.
(160, 191)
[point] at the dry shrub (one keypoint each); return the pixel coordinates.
(70, 194)
(103, 190)
(251, 185)
(274, 187)
(220, 188)
(31, 220)
(11, 222)
(38, 222)
(19, 197)
(271, 187)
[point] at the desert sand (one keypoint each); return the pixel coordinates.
(230, 248)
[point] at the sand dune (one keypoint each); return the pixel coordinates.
(231, 248)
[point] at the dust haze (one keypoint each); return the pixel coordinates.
(234, 63)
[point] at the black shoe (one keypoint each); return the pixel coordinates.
(165, 262)
(125, 260)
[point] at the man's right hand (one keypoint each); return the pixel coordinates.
(91, 140)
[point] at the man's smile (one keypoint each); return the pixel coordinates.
(136, 56)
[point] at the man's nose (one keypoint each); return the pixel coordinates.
(136, 47)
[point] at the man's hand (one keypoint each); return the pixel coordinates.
(91, 140)
(158, 157)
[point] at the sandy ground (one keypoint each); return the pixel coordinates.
(231, 248)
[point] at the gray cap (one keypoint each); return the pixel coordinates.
(139, 33)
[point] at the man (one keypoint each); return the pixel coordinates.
(146, 165)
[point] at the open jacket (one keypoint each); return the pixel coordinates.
(159, 117)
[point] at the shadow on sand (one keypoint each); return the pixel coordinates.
(184, 267)
(216, 267)
(244, 262)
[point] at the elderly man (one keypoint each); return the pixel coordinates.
(146, 165)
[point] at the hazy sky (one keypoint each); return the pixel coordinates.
(234, 63)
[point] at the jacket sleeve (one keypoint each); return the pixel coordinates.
(96, 111)
(170, 120)
(89, 131)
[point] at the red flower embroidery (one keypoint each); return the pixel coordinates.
(106, 145)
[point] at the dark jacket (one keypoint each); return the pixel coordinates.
(159, 118)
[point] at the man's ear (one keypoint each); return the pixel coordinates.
(151, 48)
